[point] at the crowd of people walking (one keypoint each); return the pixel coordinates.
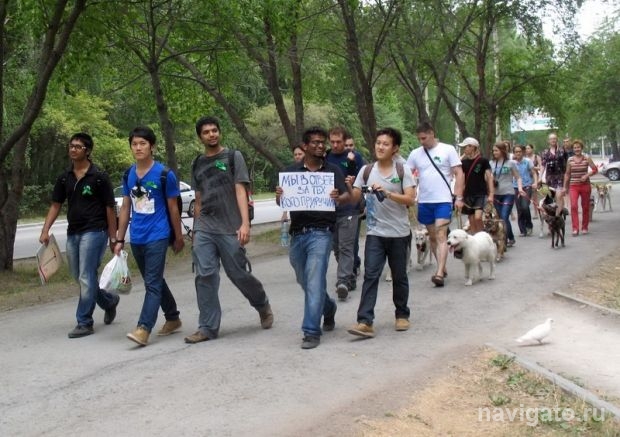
(434, 181)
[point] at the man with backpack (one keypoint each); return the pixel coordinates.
(150, 193)
(221, 230)
(92, 220)
(389, 191)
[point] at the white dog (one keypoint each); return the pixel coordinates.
(423, 248)
(476, 248)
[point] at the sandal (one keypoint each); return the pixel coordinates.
(437, 280)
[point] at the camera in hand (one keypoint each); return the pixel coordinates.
(380, 194)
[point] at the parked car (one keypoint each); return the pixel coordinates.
(611, 170)
(188, 196)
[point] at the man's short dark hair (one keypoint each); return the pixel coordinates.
(339, 130)
(424, 127)
(207, 120)
(84, 138)
(143, 132)
(396, 136)
(314, 130)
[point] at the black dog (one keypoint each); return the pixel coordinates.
(556, 223)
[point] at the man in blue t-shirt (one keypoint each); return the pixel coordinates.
(347, 215)
(143, 195)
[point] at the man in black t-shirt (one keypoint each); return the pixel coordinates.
(479, 187)
(92, 219)
(311, 239)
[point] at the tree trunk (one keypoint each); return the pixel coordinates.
(13, 149)
(296, 74)
(360, 81)
(164, 119)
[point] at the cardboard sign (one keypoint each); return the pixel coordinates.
(307, 191)
(49, 259)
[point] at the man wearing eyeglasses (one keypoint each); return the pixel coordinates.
(311, 240)
(150, 202)
(92, 220)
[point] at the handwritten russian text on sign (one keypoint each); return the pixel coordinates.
(307, 191)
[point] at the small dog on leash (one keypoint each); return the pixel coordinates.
(495, 227)
(476, 248)
(556, 223)
(423, 248)
(603, 196)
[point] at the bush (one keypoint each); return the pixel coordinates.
(35, 200)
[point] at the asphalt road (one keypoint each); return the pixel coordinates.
(254, 382)
(27, 236)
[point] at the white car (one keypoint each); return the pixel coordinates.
(611, 170)
(188, 196)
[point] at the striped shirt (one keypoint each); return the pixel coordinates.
(578, 169)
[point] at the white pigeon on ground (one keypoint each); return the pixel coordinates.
(537, 333)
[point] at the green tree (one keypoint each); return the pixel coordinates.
(43, 29)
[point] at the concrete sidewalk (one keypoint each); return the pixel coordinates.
(258, 382)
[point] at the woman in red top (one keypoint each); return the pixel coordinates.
(577, 178)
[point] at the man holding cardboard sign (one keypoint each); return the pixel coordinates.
(310, 190)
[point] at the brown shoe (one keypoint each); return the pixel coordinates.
(196, 337)
(140, 335)
(266, 317)
(401, 324)
(362, 330)
(169, 327)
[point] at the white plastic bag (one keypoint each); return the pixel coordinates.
(115, 275)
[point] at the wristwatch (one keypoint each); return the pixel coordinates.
(113, 240)
(459, 197)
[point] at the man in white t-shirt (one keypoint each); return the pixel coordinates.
(437, 164)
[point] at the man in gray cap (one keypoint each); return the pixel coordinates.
(479, 188)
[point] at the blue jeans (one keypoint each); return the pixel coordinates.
(84, 254)
(377, 250)
(503, 204)
(207, 251)
(309, 256)
(151, 260)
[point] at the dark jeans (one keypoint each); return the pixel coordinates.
(151, 260)
(523, 210)
(377, 250)
(503, 204)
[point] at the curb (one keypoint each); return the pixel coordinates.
(562, 382)
(585, 302)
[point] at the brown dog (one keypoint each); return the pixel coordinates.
(603, 197)
(494, 226)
